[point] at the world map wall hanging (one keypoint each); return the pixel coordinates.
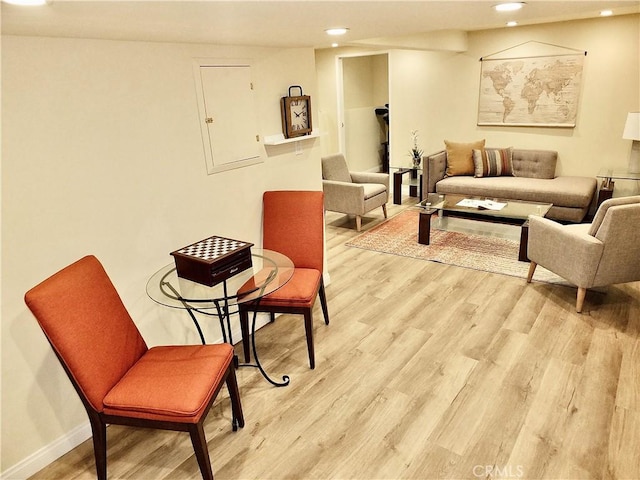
(535, 90)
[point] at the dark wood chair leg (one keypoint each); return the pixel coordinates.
(244, 327)
(308, 327)
(323, 302)
(234, 395)
(201, 450)
(99, 430)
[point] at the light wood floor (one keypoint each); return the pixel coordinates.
(426, 371)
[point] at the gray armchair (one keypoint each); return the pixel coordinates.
(353, 193)
(604, 252)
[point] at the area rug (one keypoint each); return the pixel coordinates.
(399, 236)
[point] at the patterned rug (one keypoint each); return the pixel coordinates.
(399, 236)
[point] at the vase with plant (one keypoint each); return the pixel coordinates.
(415, 152)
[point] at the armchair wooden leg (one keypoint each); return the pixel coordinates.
(532, 268)
(358, 223)
(384, 210)
(580, 299)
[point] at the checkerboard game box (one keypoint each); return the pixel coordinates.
(212, 260)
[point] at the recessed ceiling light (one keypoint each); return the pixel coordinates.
(334, 45)
(336, 31)
(512, 23)
(508, 7)
(606, 13)
(26, 3)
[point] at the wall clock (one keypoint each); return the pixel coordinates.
(296, 114)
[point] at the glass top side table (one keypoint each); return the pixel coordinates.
(415, 182)
(270, 271)
(608, 176)
(613, 174)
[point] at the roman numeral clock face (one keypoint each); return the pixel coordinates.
(299, 115)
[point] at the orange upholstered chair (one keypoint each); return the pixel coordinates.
(293, 224)
(120, 380)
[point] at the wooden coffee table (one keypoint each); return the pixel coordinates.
(514, 212)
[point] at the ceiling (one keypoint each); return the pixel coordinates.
(282, 23)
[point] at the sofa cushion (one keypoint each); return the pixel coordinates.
(562, 191)
(492, 162)
(460, 157)
(534, 163)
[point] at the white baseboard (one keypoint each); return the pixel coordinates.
(47, 454)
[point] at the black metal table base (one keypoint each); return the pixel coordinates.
(224, 316)
(285, 378)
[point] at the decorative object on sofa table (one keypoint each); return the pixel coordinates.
(212, 260)
(632, 132)
(415, 152)
(296, 114)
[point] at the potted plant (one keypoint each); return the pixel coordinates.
(415, 152)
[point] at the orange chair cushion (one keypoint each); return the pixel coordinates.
(171, 383)
(300, 291)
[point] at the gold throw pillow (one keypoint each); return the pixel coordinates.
(460, 157)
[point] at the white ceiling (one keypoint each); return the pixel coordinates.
(281, 23)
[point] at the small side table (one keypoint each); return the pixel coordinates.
(415, 187)
(270, 270)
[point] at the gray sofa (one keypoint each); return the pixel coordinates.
(533, 180)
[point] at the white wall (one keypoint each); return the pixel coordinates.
(102, 154)
(437, 94)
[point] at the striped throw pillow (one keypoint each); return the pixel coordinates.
(492, 162)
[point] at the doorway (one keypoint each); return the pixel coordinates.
(365, 90)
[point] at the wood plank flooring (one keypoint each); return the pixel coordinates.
(426, 371)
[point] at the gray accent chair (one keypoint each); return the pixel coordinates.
(352, 193)
(604, 252)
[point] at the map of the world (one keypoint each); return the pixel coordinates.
(538, 91)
